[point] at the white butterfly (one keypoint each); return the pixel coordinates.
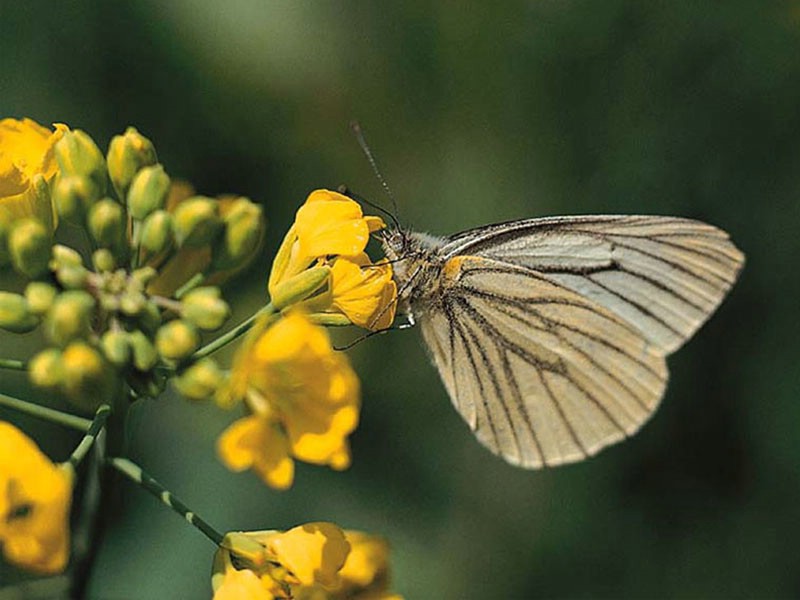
(551, 335)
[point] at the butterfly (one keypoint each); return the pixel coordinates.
(551, 335)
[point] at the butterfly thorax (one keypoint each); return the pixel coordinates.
(417, 264)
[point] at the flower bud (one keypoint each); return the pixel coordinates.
(46, 369)
(127, 153)
(197, 221)
(29, 245)
(143, 276)
(64, 256)
(116, 347)
(15, 314)
(77, 154)
(106, 223)
(40, 296)
(148, 191)
(301, 286)
(69, 317)
(132, 303)
(144, 352)
(204, 308)
(177, 339)
(103, 260)
(73, 196)
(72, 278)
(199, 381)
(88, 381)
(149, 318)
(244, 230)
(156, 234)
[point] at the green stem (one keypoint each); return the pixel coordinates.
(86, 443)
(187, 287)
(48, 414)
(135, 473)
(234, 333)
(12, 363)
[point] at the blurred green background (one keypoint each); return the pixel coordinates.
(477, 113)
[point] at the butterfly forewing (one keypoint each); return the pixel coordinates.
(663, 275)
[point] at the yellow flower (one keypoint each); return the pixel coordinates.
(35, 497)
(304, 396)
(327, 224)
(281, 564)
(26, 152)
(362, 291)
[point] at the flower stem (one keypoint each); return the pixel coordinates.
(94, 430)
(187, 287)
(48, 414)
(12, 363)
(133, 472)
(234, 333)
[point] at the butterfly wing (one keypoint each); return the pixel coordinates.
(551, 334)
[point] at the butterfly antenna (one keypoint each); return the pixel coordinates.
(343, 189)
(355, 127)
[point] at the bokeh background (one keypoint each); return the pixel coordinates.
(477, 113)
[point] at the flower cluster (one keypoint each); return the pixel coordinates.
(124, 310)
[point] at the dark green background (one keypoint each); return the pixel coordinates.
(477, 113)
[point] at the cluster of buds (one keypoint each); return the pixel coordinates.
(131, 306)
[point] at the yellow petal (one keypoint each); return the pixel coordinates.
(26, 152)
(242, 585)
(330, 223)
(253, 442)
(314, 552)
(35, 497)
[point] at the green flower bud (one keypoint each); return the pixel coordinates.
(156, 233)
(143, 276)
(132, 303)
(29, 245)
(88, 381)
(301, 286)
(40, 296)
(148, 191)
(72, 278)
(127, 154)
(64, 256)
(73, 196)
(15, 314)
(177, 340)
(244, 230)
(106, 223)
(145, 355)
(149, 318)
(204, 308)
(103, 260)
(46, 369)
(116, 347)
(68, 267)
(200, 381)
(197, 221)
(77, 154)
(70, 317)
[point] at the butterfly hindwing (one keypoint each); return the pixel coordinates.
(541, 374)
